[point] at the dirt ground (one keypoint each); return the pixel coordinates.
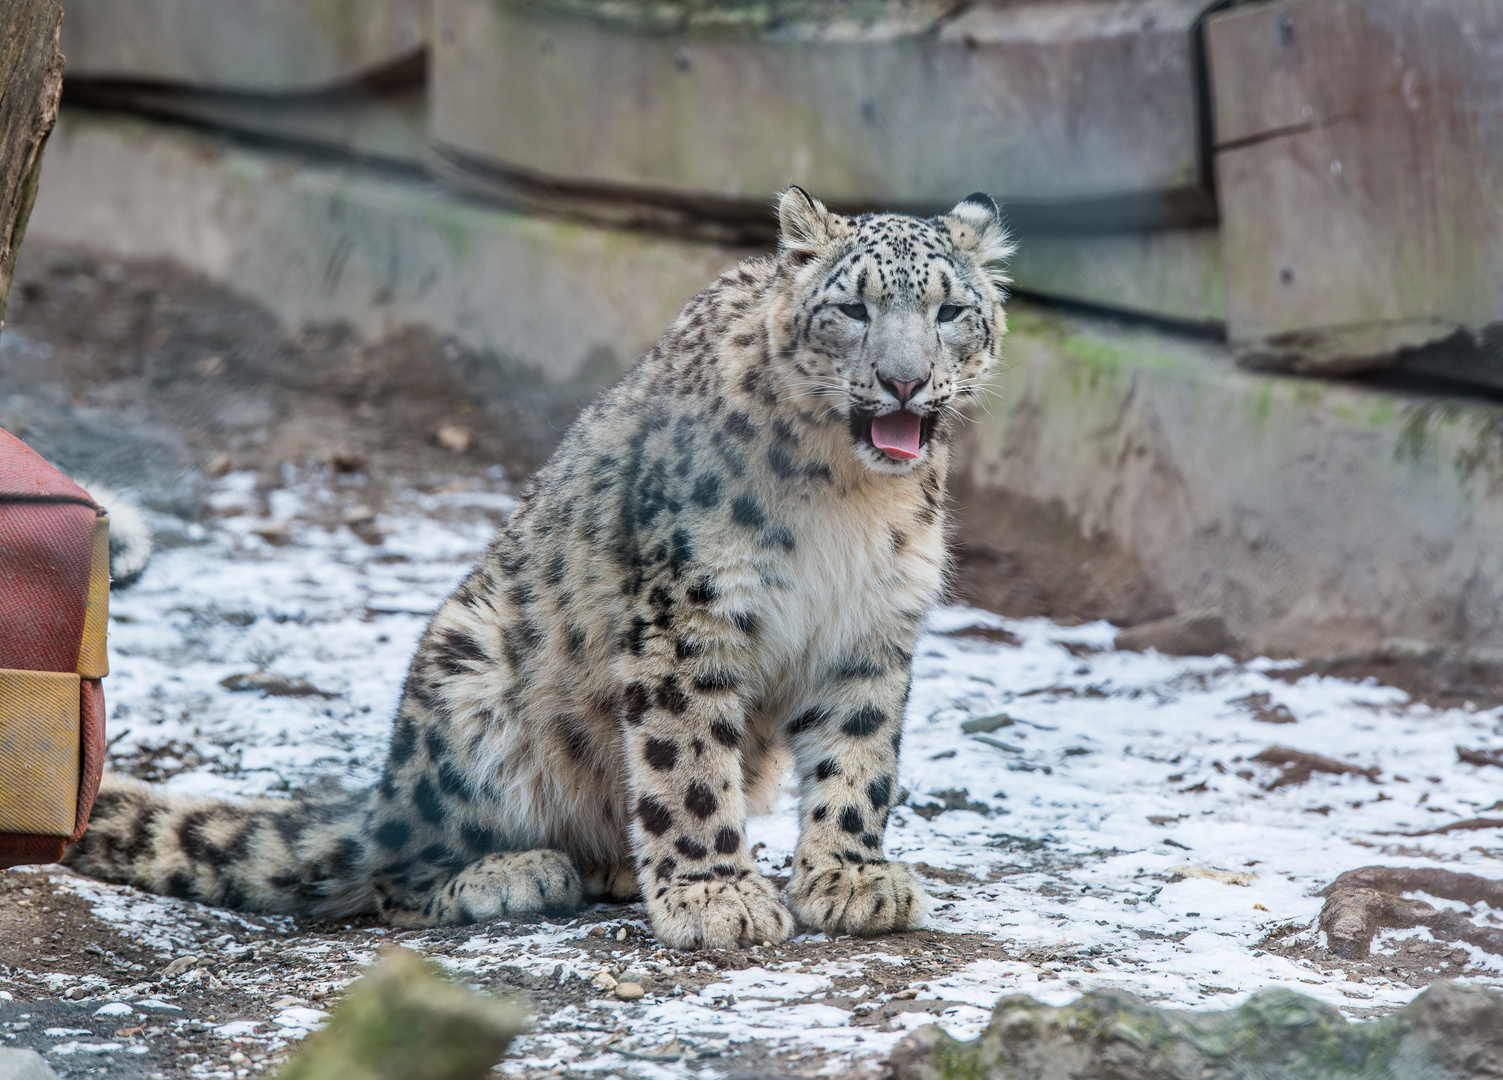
(147, 378)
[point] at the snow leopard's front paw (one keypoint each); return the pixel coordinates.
(720, 913)
(841, 897)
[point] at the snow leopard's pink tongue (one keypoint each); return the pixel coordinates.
(897, 434)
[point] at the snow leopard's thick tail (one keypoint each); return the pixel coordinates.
(301, 856)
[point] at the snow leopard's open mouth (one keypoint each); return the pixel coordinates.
(899, 435)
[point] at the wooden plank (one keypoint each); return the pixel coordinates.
(257, 46)
(31, 79)
(1083, 112)
(1359, 165)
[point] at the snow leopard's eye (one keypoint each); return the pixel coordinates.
(854, 311)
(947, 312)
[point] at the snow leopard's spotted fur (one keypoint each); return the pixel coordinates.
(716, 569)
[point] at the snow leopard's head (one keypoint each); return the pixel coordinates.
(898, 318)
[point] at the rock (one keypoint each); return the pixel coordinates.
(629, 991)
(984, 725)
(453, 437)
(1449, 1032)
(404, 1021)
(603, 980)
(1192, 633)
(178, 966)
(272, 684)
(23, 1065)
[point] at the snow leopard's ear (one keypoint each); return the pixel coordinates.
(976, 225)
(804, 225)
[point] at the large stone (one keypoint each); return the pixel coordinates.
(24, 1065)
(1449, 1032)
(404, 1021)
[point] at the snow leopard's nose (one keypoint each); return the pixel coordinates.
(903, 390)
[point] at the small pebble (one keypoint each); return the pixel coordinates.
(604, 980)
(629, 991)
(237, 1058)
(621, 934)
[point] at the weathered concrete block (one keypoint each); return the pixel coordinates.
(1360, 181)
(1074, 112)
(1319, 519)
(246, 45)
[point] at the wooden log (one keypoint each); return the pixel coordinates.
(31, 80)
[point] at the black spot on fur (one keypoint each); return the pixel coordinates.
(636, 703)
(666, 868)
(393, 834)
(808, 720)
(715, 681)
(636, 636)
(403, 742)
(739, 425)
(671, 696)
(780, 462)
(879, 791)
(826, 769)
(687, 648)
(727, 840)
(820, 812)
(871, 840)
(702, 591)
(706, 491)
(863, 722)
(656, 818)
(858, 668)
(661, 754)
(457, 651)
(725, 732)
(701, 801)
(850, 820)
(577, 739)
(690, 849)
(556, 569)
(451, 781)
(746, 511)
(429, 803)
(778, 536)
(747, 622)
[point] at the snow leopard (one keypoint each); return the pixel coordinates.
(723, 567)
